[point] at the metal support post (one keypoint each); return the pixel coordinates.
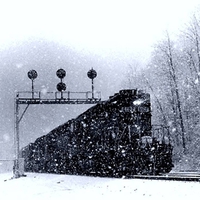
(32, 89)
(92, 88)
(16, 164)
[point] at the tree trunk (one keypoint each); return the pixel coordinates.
(174, 78)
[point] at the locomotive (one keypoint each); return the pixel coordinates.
(114, 138)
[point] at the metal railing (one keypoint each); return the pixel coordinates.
(58, 95)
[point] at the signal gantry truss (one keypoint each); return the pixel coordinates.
(59, 97)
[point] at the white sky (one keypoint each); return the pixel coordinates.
(103, 25)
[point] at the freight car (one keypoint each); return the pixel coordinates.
(111, 139)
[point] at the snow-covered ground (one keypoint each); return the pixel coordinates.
(50, 186)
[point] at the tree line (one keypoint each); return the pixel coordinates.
(172, 77)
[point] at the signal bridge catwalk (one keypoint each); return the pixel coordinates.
(67, 97)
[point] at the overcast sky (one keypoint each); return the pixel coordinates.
(99, 26)
(76, 35)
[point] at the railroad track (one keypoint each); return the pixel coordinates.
(174, 176)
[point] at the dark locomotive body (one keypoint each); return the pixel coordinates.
(113, 138)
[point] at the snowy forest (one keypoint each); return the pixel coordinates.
(172, 77)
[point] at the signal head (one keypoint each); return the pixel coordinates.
(61, 73)
(61, 86)
(92, 74)
(32, 74)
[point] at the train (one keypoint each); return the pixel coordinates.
(114, 138)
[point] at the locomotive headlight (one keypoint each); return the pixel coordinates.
(138, 102)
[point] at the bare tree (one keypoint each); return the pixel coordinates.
(167, 59)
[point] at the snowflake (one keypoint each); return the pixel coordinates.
(196, 81)
(173, 130)
(19, 65)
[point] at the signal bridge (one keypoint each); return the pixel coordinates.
(59, 97)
